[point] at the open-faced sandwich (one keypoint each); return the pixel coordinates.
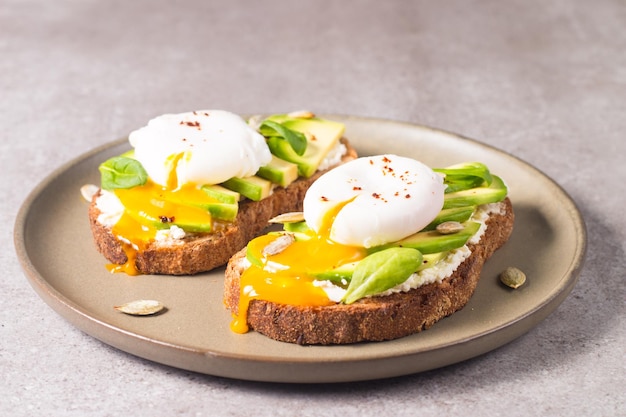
(384, 248)
(197, 186)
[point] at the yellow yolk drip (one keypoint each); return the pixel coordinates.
(172, 177)
(287, 277)
(151, 207)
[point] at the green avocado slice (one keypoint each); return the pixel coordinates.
(432, 241)
(495, 192)
(322, 136)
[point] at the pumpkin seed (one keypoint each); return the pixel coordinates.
(88, 191)
(301, 114)
(293, 217)
(513, 277)
(140, 307)
(279, 244)
(448, 228)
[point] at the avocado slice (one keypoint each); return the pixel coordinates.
(129, 154)
(222, 211)
(495, 192)
(279, 171)
(255, 188)
(222, 203)
(185, 218)
(148, 206)
(431, 259)
(298, 227)
(340, 275)
(252, 254)
(458, 214)
(219, 204)
(322, 134)
(432, 241)
(221, 194)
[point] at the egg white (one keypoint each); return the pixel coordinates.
(385, 198)
(216, 145)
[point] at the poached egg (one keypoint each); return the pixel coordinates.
(202, 147)
(376, 200)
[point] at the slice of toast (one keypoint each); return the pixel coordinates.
(376, 318)
(202, 252)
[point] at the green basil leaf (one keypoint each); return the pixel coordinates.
(122, 172)
(381, 271)
(297, 140)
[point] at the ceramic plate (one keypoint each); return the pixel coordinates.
(55, 248)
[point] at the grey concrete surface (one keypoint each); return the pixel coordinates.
(543, 80)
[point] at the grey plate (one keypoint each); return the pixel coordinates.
(55, 248)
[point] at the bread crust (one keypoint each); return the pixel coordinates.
(376, 318)
(203, 252)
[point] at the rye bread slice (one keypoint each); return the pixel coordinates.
(203, 252)
(376, 318)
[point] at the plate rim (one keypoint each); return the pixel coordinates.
(80, 318)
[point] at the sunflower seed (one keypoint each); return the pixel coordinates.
(301, 114)
(279, 244)
(140, 307)
(88, 191)
(293, 217)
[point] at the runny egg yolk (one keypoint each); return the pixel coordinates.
(288, 276)
(151, 207)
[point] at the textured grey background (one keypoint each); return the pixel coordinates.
(544, 80)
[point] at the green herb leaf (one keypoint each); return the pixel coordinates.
(122, 172)
(381, 271)
(296, 139)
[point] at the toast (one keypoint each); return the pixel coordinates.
(201, 252)
(375, 318)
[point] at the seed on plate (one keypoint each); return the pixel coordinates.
(301, 114)
(513, 277)
(88, 191)
(448, 228)
(140, 307)
(293, 217)
(279, 244)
